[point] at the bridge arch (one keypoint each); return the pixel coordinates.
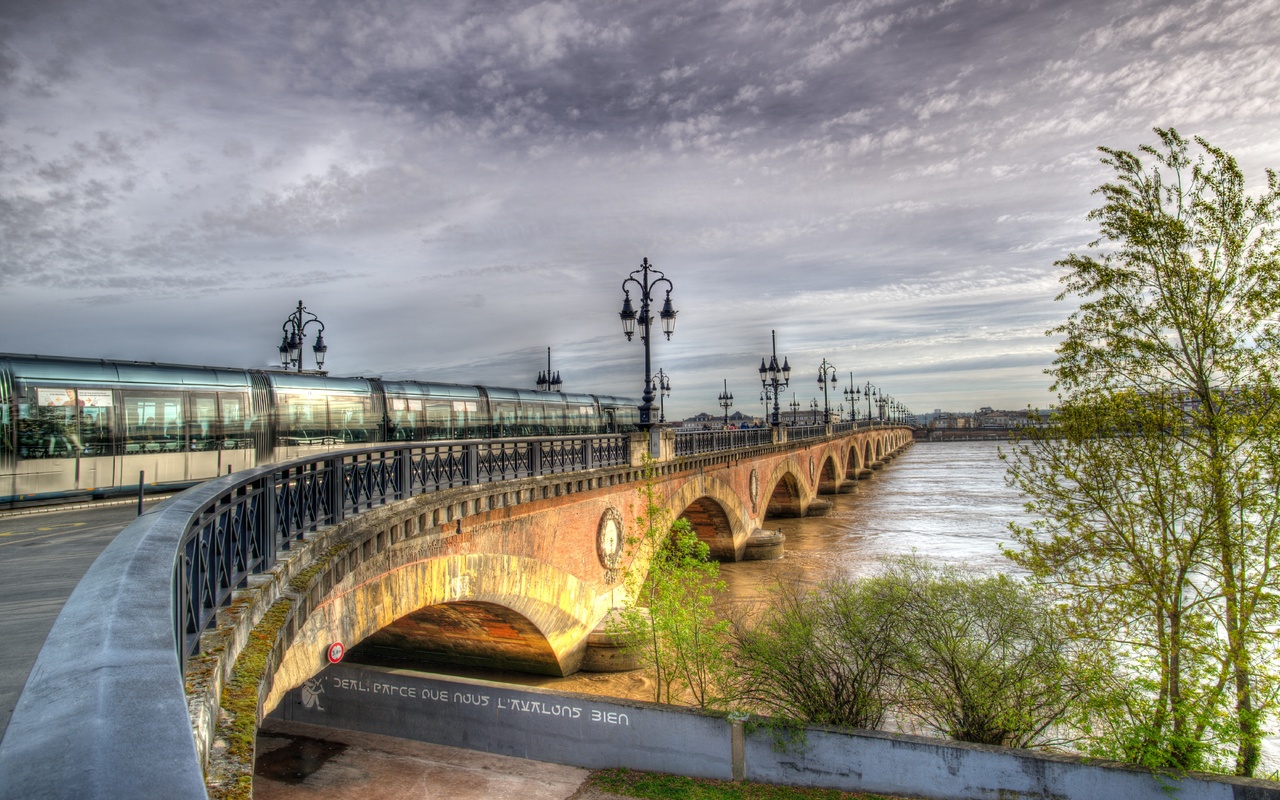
(785, 492)
(551, 610)
(462, 632)
(853, 461)
(829, 473)
(716, 513)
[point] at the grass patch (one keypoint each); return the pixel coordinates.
(657, 786)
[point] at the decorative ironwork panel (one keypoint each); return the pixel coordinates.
(801, 432)
(436, 468)
(370, 479)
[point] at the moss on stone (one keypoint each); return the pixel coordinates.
(302, 580)
(238, 724)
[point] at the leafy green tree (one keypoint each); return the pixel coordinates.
(670, 619)
(980, 658)
(1157, 489)
(826, 656)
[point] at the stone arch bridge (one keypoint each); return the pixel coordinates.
(512, 573)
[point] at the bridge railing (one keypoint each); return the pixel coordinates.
(240, 530)
(797, 433)
(690, 443)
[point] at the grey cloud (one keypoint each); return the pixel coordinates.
(450, 182)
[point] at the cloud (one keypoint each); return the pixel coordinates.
(455, 185)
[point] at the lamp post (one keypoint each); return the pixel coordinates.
(549, 381)
(663, 385)
(630, 317)
(773, 379)
(295, 333)
(813, 411)
(869, 393)
(826, 377)
(795, 409)
(840, 412)
(726, 401)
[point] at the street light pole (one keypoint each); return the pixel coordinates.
(826, 377)
(629, 319)
(664, 391)
(295, 333)
(549, 381)
(726, 401)
(870, 391)
(795, 409)
(813, 411)
(773, 378)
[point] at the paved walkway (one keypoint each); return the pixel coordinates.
(42, 557)
(308, 762)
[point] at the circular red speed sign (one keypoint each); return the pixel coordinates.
(336, 651)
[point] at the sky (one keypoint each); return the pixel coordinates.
(454, 187)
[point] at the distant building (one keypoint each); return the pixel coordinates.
(990, 418)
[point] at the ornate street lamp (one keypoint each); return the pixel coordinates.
(826, 377)
(630, 318)
(869, 393)
(813, 411)
(726, 401)
(664, 391)
(295, 333)
(774, 379)
(549, 381)
(795, 409)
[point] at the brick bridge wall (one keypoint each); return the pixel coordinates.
(508, 575)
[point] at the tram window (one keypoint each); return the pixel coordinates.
(435, 420)
(535, 418)
(95, 422)
(504, 418)
(6, 432)
(581, 419)
(203, 423)
(152, 422)
(47, 425)
(301, 418)
(402, 419)
(351, 418)
(235, 423)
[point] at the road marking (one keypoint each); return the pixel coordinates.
(39, 533)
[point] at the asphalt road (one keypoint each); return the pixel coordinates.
(42, 558)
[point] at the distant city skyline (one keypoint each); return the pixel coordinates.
(455, 186)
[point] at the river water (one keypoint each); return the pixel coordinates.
(946, 501)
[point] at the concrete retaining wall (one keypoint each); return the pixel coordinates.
(592, 732)
(573, 729)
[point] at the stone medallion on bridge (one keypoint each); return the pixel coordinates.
(755, 491)
(811, 473)
(609, 543)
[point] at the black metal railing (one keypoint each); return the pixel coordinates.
(693, 442)
(240, 530)
(797, 433)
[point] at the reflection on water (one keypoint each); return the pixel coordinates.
(947, 502)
